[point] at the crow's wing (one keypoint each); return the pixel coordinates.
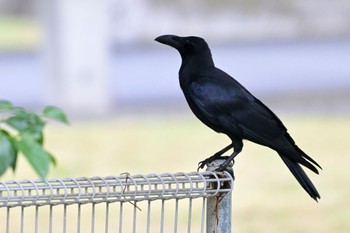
(225, 102)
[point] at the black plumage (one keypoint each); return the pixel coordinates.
(225, 106)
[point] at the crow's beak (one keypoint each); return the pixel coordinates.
(171, 40)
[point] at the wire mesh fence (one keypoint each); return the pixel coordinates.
(138, 203)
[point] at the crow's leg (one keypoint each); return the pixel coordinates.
(217, 155)
(237, 148)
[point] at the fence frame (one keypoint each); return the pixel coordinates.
(213, 187)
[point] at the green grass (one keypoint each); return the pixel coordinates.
(266, 197)
(18, 34)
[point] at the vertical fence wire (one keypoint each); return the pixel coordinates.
(176, 215)
(134, 218)
(162, 217)
(8, 220)
(121, 217)
(22, 220)
(189, 216)
(93, 218)
(148, 216)
(64, 218)
(50, 218)
(36, 219)
(78, 218)
(107, 217)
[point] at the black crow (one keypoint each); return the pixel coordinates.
(225, 106)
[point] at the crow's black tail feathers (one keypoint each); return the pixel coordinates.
(308, 157)
(300, 156)
(302, 178)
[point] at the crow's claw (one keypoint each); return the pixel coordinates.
(202, 163)
(207, 161)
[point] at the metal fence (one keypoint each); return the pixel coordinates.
(180, 202)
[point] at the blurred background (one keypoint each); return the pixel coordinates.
(98, 57)
(99, 62)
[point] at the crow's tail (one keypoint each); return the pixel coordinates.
(301, 176)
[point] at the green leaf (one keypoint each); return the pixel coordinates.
(56, 114)
(18, 122)
(53, 159)
(35, 154)
(19, 111)
(5, 105)
(8, 153)
(36, 134)
(26, 121)
(14, 163)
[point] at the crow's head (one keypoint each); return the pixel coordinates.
(189, 45)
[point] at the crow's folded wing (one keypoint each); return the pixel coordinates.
(231, 106)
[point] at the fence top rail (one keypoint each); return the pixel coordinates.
(114, 188)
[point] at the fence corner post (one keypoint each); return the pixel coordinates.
(219, 207)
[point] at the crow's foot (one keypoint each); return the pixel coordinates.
(209, 160)
(216, 156)
(204, 162)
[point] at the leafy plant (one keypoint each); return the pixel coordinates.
(21, 132)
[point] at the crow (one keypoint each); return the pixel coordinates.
(225, 106)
